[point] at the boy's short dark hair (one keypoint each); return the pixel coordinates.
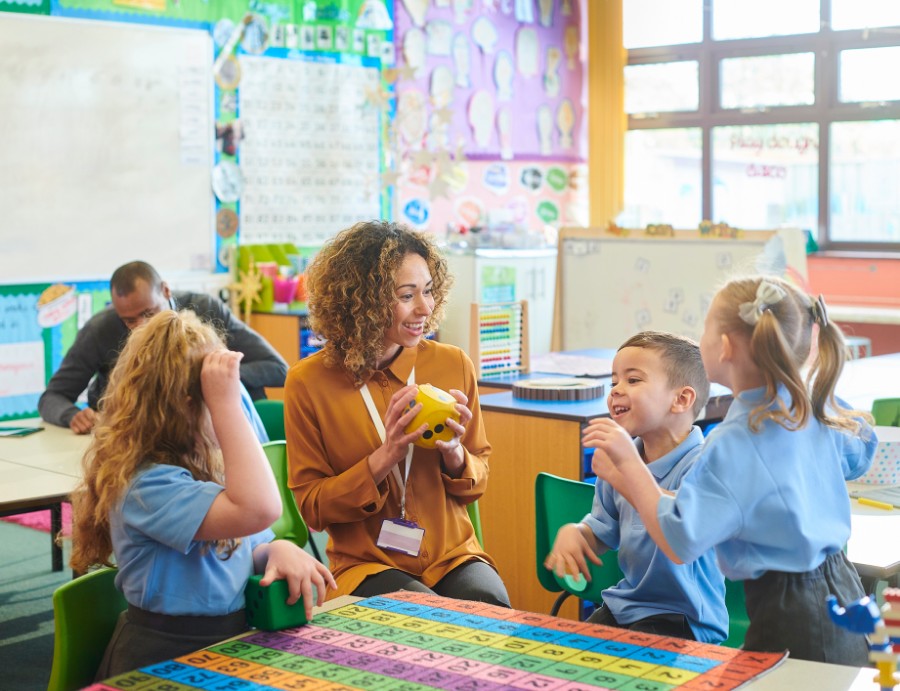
(681, 356)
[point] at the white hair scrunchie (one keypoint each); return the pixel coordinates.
(767, 294)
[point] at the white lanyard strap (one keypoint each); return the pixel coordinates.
(379, 426)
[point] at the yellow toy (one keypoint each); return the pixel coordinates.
(437, 406)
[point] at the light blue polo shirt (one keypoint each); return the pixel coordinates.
(162, 568)
(652, 583)
(771, 500)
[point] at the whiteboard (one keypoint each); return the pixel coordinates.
(613, 286)
(106, 143)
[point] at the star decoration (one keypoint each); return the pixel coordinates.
(247, 289)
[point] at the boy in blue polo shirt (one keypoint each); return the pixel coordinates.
(658, 388)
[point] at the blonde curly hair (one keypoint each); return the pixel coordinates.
(152, 412)
(351, 291)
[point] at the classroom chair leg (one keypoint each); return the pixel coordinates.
(559, 603)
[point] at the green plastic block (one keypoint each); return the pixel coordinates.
(267, 606)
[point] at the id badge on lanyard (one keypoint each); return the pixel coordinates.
(397, 534)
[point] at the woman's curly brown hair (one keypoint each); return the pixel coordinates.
(351, 291)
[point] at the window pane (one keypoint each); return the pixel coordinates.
(765, 176)
(742, 19)
(860, 14)
(654, 23)
(865, 167)
(863, 75)
(662, 87)
(768, 80)
(662, 178)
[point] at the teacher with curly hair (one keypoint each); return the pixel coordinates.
(395, 513)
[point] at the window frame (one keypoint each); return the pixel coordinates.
(826, 44)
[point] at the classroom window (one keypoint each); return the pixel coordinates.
(663, 177)
(660, 88)
(765, 114)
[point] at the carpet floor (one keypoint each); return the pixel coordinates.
(26, 607)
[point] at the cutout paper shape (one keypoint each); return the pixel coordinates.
(442, 83)
(551, 72)
(484, 33)
(504, 133)
(417, 11)
(570, 45)
(545, 129)
(440, 37)
(462, 60)
(412, 117)
(525, 11)
(460, 9)
(546, 12)
(504, 72)
(414, 46)
(527, 51)
(481, 117)
(565, 121)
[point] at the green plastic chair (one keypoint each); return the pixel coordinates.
(738, 621)
(886, 412)
(85, 611)
(559, 501)
(271, 412)
(475, 517)
(290, 525)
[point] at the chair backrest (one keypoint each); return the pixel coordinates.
(271, 412)
(886, 412)
(85, 611)
(290, 525)
(738, 621)
(559, 501)
(475, 517)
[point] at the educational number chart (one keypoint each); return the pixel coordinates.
(408, 641)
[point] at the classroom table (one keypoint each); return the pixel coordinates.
(38, 472)
(528, 437)
(231, 666)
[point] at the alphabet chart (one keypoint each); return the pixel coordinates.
(410, 641)
(311, 150)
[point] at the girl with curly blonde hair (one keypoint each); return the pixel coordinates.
(395, 514)
(771, 475)
(178, 494)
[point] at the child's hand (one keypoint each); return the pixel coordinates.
(612, 439)
(220, 377)
(452, 451)
(301, 571)
(570, 549)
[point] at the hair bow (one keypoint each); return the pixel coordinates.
(819, 311)
(767, 294)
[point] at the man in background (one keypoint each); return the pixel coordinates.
(138, 293)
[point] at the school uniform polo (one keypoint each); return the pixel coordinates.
(772, 500)
(652, 583)
(162, 568)
(330, 436)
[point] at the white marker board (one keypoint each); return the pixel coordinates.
(613, 286)
(106, 133)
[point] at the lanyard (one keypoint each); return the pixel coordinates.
(379, 425)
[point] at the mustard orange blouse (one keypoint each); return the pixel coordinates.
(330, 436)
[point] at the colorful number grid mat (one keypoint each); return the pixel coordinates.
(409, 641)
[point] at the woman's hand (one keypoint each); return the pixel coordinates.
(301, 571)
(571, 552)
(396, 440)
(452, 451)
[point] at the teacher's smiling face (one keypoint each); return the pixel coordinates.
(141, 303)
(413, 304)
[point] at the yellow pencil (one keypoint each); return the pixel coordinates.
(876, 504)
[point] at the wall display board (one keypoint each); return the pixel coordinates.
(612, 286)
(106, 131)
(310, 154)
(38, 323)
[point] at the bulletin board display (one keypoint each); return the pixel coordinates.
(612, 286)
(310, 154)
(38, 323)
(415, 641)
(497, 79)
(107, 137)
